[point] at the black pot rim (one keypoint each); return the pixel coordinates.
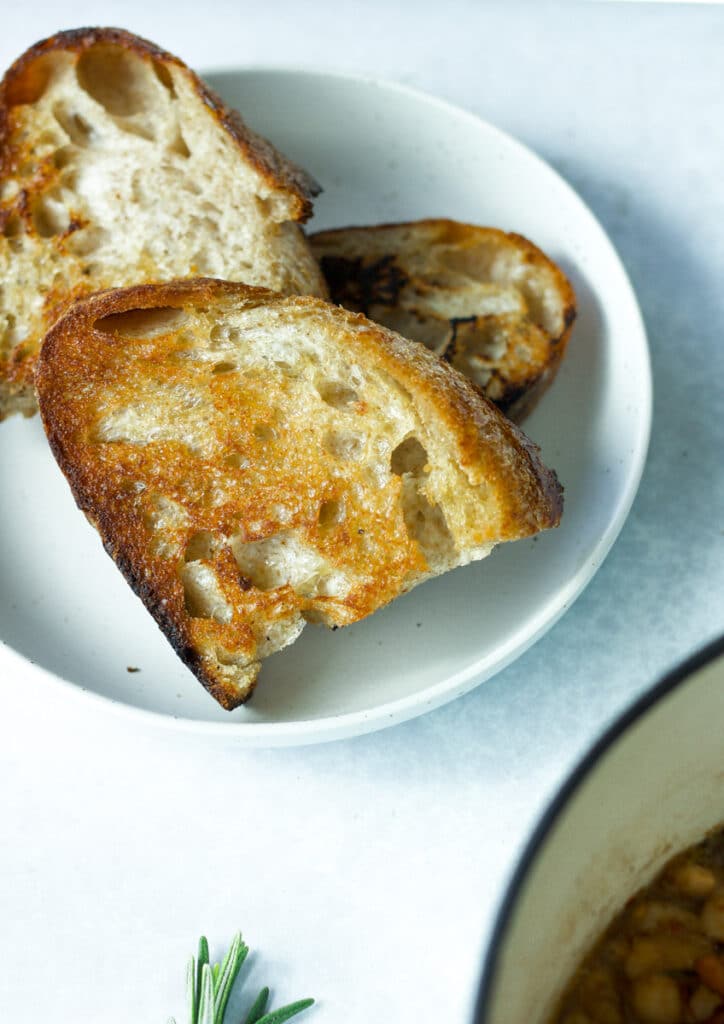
(665, 686)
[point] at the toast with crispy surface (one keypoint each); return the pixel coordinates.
(253, 462)
(490, 303)
(119, 166)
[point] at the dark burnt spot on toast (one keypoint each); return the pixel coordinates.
(358, 285)
(455, 322)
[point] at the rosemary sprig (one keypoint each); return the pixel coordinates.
(208, 987)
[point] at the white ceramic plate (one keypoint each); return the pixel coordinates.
(383, 152)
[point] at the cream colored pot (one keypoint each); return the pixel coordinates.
(652, 786)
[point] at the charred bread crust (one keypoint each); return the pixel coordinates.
(523, 404)
(24, 77)
(490, 449)
(171, 625)
(359, 284)
(166, 607)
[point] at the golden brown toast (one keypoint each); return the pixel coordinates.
(253, 462)
(119, 166)
(490, 303)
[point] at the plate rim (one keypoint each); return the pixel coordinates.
(356, 723)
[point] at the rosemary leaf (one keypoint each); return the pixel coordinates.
(235, 966)
(285, 1013)
(257, 1007)
(191, 990)
(201, 959)
(206, 998)
(225, 976)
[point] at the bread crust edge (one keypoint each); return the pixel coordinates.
(276, 170)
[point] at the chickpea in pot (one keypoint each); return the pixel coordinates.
(661, 960)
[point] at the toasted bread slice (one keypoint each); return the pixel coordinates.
(490, 303)
(253, 462)
(119, 166)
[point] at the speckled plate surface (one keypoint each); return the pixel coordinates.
(382, 152)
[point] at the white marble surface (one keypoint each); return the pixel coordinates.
(367, 872)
